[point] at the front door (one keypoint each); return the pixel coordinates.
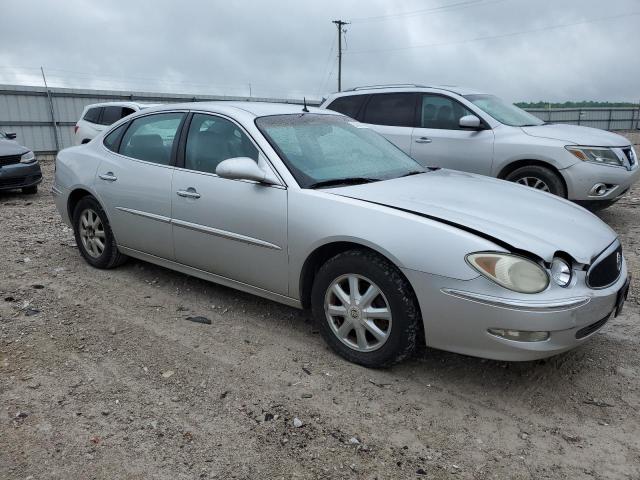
(134, 183)
(233, 228)
(439, 141)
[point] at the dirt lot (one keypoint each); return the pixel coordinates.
(102, 376)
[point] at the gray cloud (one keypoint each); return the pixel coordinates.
(282, 47)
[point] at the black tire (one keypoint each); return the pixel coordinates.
(406, 319)
(30, 190)
(110, 256)
(551, 179)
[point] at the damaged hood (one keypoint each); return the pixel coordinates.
(519, 216)
(577, 135)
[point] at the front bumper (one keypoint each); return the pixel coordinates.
(582, 176)
(20, 175)
(458, 314)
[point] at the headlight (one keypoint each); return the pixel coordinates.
(596, 155)
(28, 157)
(561, 272)
(510, 271)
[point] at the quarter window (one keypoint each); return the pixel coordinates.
(151, 138)
(213, 139)
(349, 105)
(112, 141)
(441, 112)
(395, 109)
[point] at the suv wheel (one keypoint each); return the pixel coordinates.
(540, 178)
(94, 236)
(365, 309)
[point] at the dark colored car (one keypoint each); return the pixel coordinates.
(19, 168)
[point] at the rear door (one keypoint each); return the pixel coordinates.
(233, 228)
(393, 116)
(439, 141)
(134, 182)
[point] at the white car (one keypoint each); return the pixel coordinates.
(462, 129)
(98, 116)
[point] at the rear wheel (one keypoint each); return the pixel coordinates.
(365, 309)
(540, 178)
(94, 236)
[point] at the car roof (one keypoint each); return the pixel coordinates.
(407, 88)
(137, 105)
(255, 109)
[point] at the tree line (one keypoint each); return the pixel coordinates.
(582, 104)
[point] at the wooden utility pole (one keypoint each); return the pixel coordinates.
(340, 24)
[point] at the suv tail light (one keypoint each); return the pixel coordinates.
(75, 129)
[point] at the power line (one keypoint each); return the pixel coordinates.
(325, 78)
(490, 37)
(426, 11)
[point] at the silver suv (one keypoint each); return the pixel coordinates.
(461, 129)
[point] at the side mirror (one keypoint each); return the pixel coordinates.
(471, 122)
(11, 136)
(243, 168)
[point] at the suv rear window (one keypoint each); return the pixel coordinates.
(112, 114)
(349, 105)
(395, 109)
(92, 115)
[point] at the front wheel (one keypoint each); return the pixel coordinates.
(30, 190)
(540, 178)
(365, 309)
(94, 236)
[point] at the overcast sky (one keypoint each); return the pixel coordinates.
(288, 48)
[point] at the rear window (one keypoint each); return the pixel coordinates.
(394, 109)
(113, 114)
(349, 105)
(92, 115)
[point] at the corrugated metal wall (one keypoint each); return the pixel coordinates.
(605, 118)
(26, 110)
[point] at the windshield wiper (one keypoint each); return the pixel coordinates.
(343, 181)
(413, 172)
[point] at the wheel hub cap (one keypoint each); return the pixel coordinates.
(92, 233)
(358, 312)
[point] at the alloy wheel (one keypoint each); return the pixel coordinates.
(533, 182)
(92, 233)
(358, 313)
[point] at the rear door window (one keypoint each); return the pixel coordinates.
(349, 105)
(442, 112)
(151, 138)
(111, 115)
(394, 109)
(92, 115)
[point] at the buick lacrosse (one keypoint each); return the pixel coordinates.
(312, 209)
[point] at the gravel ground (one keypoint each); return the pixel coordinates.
(102, 376)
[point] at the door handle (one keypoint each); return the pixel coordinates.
(188, 193)
(423, 140)
(109, 177)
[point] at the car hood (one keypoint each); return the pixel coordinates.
(9, 147)
(578, 135)
(512, 214)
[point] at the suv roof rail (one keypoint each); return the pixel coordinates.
(392, 85)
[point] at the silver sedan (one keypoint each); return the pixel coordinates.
(310, 208)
